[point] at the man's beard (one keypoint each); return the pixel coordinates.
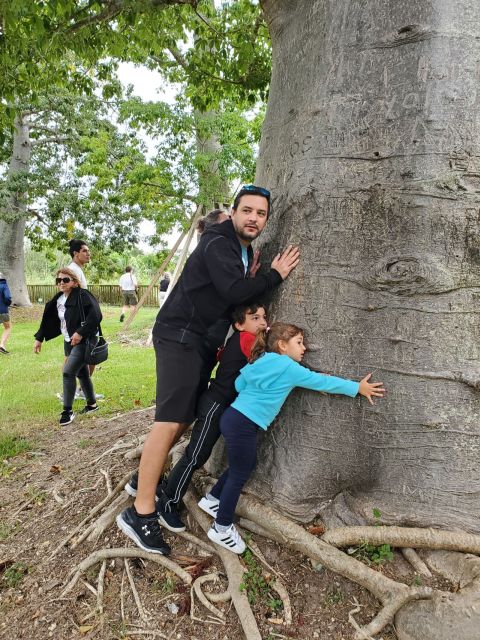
(241, 234)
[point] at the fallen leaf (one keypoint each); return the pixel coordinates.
(136, 402)
(85, 628)
(316, 530)
(275, 620)
(56, 468)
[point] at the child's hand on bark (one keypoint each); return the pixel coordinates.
(369, 389)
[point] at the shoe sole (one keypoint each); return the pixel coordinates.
(130, 490)
(205, 507)
(165, 524)
(132, 534)
(238, 552)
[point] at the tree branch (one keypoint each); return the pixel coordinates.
(38, 143)
(180, 60)
(171, 195)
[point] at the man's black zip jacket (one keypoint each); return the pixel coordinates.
(50, 325)
(212, 282)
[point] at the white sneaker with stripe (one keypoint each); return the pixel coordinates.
(229, 539)
(209, 505)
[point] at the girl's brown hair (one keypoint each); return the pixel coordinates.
(71, 274)
(267, 339)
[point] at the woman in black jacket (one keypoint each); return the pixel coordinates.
(63, 315)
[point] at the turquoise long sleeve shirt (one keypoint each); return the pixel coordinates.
(264, 386)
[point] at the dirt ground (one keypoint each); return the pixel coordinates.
(49, 491)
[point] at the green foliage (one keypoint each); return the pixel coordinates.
(14, 574)
(166, 586)
(8, 530)
(334, 596)
(218, 53)
(85, 442)
(35, 495)
(10, 446)
(256, 586)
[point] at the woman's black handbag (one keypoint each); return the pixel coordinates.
(96, 351)
(96, 348)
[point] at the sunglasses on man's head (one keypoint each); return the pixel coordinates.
(64, 280)
(254, 189)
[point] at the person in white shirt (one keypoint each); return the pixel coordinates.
(80, 253)
(128, 286)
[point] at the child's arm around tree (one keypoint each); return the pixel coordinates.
(308, 379)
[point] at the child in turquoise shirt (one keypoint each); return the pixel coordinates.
(263, 387)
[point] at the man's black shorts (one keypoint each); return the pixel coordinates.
(178, 376)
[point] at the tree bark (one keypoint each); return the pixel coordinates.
(371, 149)
(13, 218)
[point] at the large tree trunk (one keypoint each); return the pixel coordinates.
(371, 149)
(12, 220)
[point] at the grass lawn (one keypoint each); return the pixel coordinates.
(29, 382)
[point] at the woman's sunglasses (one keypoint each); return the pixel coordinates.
(64, 280)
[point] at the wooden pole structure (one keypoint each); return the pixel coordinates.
(162, 268)
(184, 255)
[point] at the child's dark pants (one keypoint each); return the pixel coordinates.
(240, 435)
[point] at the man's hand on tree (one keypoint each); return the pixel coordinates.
(286, 261)
(255, 266)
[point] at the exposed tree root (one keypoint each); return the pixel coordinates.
(100, 585)
(104, 554)
(278, 586)
(144, 617)
(136, 452)
(417, 563)
(108, 480)
(404, 537)
(393, 595)
(201, 544)
(118, 488)
(128, 413)
(234, 572)
(99, 526)
(197, 588)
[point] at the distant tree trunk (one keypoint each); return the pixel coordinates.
(371, 148)
(209, 177)
(13, 219)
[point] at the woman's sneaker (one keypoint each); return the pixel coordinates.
(229, 539)
(209, 505)
(66, 417)
(89, 409)
(145, 532)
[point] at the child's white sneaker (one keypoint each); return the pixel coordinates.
(229, 539)
(209, 505)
